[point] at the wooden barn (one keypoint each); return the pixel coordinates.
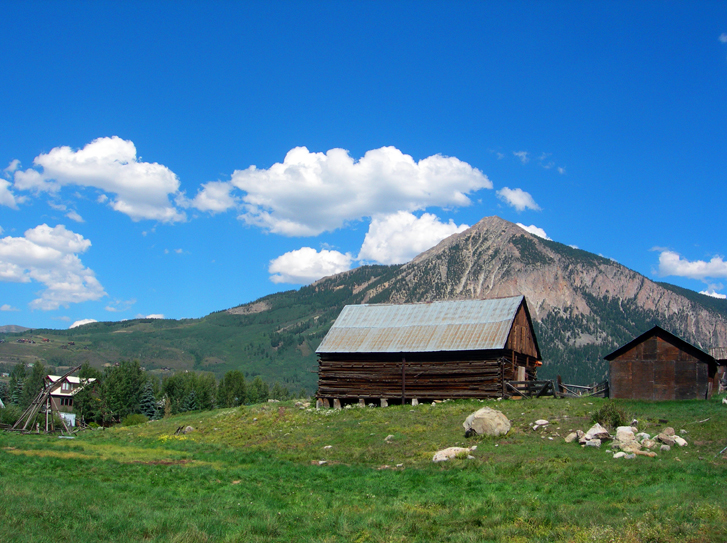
(658, 365)
(427, 351)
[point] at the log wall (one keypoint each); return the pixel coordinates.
(397, 377)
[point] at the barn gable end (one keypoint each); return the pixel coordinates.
(660, 366)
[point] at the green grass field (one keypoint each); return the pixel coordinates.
(255, 474)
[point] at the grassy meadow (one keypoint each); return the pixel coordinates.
(275, 472)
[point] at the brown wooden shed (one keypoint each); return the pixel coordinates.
(427, 351)
(658, 365)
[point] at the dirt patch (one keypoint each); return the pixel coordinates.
(162, 462)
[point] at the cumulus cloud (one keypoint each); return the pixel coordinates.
(140, 190)
(534, 230)
(714, 294)
(7, 198)
(561, 170)
(306, 265)
(672, 263)
(397, 238)
(8, 307)
(50, 256)
(723, 38)
(214, 197)
(76, 324)
(518, 198)
(310, 193)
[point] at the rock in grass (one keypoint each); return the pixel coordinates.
(448, 453)
(680, 441)
(593, 443)
(188, 430)
(625, 434)
(597, 432)
(570, 438)
(541, 422)
(486, 422)
(619, 454)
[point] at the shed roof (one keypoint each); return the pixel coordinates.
(666, 336)
(463, 325)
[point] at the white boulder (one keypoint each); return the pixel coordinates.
(487, 422)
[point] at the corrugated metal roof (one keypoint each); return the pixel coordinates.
(465, 325)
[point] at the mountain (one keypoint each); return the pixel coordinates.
(583, 307)
(12, 329)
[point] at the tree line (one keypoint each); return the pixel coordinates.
(127, 389)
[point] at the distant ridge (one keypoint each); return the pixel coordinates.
(13, 329)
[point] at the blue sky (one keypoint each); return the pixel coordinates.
(178, 158)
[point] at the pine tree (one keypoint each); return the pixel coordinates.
(190, 403)
(147, 403)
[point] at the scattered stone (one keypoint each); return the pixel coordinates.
(541, 422)
(273, 401)
(188, 430)
(536, 427)
(631, 447)
(625, 434)
(668, 431)
(389, 438)
(677, 460)
(630, 456)
(570, 438)
(336, 403)
(645, 453)
(414, 401)
(641, 436)
(254, 419)
(399, 465)
(328, 447)
(450, 452)
(486, 422)
(322, 462)
(384, 402)
(665, 438)
(634, 422)
(597, 432)
(470, 457)
(665, 448)
(619, 455)
(648, 443)
(682, 431)
(593, 442)
(680, 441)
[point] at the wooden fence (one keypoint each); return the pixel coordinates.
(538, 389)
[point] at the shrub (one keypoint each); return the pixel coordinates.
(611, 416)
(135, 419)
(10, 414)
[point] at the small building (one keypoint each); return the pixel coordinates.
(62, 396)
(658, 365)
(427, 351)
(720, 355)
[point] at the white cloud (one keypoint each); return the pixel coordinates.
(723, 38)
(518, 198)
(561, 170)
(7, 307)
(74, 216)
(672, 263)
(397, 238)
(141, 189)
(214, 197)
(50, 256)
(522, 155)
(534, 230)
(714, 294)
(306, 265)
(7, 198)
(310, 193)
(76, 324)
(14, 165)
(154, 316)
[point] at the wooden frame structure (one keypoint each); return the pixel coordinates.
(44, 401)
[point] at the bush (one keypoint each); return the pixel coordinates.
(10, 414)
(611, 416)
(135, 419)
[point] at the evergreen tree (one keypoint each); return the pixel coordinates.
(4, 392)
(86, 401)
(148, 403)
(258, 391)
(33, 384)
(17, 378)
(190, 403)
(232, 389)
(121, 389)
